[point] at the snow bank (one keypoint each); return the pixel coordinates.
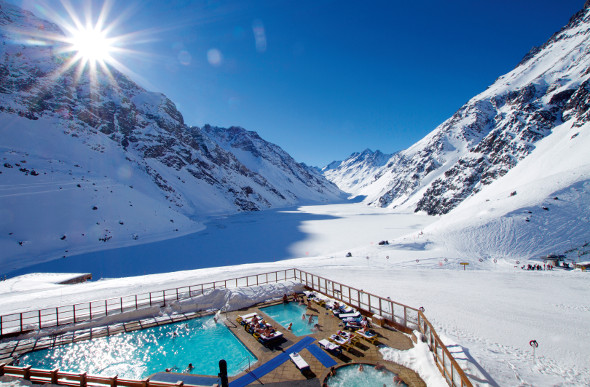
(211, 300)
(418, 359)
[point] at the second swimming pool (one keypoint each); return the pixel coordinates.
(138, 354)
(351, 376)
(292, 312)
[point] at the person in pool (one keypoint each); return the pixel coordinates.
(361, 368)
(290, 327)
(189, 368)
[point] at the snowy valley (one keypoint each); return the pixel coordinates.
(95, 175)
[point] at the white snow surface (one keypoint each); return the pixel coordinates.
(486, 314)
(418, 358)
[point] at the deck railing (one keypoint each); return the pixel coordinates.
(400, 316)
(40, 376)
(17, 323)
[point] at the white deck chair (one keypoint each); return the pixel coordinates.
(299, 361)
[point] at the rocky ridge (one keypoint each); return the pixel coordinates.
(494, 131)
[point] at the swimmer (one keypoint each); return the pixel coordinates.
(290, 327)
(332, 371)
(303, 317)
(361, 368)
(310, 321)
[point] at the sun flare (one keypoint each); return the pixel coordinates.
(91, 44)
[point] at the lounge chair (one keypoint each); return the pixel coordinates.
(330, 347)
(370, 337)
(267, 339)
(353, 315)
(245, 318)
(341, 341)
(300, 363)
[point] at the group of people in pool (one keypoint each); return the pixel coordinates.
(378, 367)
(187, 370)
(294, 297)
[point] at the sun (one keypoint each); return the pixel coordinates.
(91, 45)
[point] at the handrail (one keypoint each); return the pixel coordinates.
(74, 379)
(446, 363)
(17, 323)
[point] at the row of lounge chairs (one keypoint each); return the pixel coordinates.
(259, 328)
(352, 321)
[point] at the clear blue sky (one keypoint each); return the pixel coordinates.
(323, 79)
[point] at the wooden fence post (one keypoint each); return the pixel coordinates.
(2, 369)
(54, 376)
(83, 380)
(114, 381)
(27, 374)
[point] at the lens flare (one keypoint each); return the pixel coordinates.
(92, 44)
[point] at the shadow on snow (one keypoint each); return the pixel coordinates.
(244, 238)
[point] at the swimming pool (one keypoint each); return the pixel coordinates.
(138, 354)
(291, 313)
(350, 376)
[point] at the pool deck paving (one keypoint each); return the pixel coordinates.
(361, 352)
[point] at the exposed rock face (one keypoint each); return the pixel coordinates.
(490, 134)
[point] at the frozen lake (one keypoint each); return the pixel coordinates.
(266, 236)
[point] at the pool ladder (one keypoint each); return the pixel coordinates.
(249, 365)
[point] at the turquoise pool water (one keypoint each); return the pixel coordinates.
(350, 376)
(138, 354)
(291, 313)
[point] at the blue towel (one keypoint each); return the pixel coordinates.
(322, 356)
(272, 364)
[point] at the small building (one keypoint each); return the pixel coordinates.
(584, 266)
(554, 259)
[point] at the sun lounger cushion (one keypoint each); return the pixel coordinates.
(298, 360)
(349, 315)
(274, 336)
(248, 316)
(329, 346)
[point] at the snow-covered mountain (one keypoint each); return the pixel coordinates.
(90, 161)
(300, 182)
(357, 171)
(495, 130)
